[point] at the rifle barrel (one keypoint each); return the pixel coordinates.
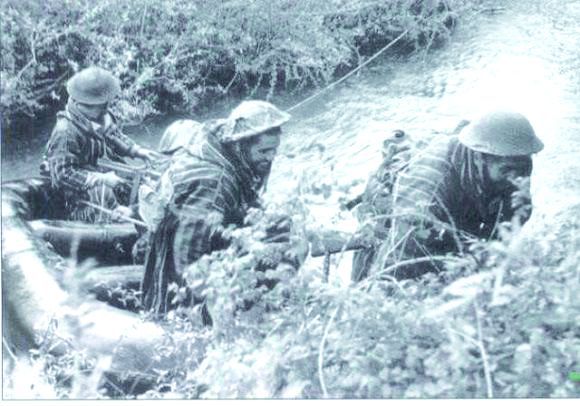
(126, 169)
(111, 212)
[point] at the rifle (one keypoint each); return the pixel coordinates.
(112, 212)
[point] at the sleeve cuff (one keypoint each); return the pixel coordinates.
(134, 150)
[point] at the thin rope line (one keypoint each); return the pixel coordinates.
(352, 72)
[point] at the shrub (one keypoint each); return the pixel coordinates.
(180, 56)
(501, 322)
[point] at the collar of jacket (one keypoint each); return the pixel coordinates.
(79, 120)
(228, 157)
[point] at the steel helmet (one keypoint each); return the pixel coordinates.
(93, 85)
(252, 117)
(502, 133)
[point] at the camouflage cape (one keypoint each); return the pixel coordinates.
(209, 188)
(442, 201)
(433, 204)
(72, 153)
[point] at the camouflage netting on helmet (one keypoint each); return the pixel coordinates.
(252, 117)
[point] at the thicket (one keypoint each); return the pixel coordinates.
(183, 55)
(502, 321)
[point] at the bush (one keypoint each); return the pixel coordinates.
(501, 322)
(180, 56)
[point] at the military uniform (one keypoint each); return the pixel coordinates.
(72, 156)
(457, 190)
(209, 190)
(77, 143)
(207, 187)
(441, 202)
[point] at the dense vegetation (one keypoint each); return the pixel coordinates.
(502, 321)
(180, 55)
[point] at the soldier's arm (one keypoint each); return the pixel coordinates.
(121, 144)
(520, 201)
(201, 217)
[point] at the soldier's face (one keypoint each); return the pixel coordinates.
(262, 151)
(94, 112)
(503, 171)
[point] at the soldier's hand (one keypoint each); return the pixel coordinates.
(298, 252)
(148, 155)
(270, 255)
(522, 196)
(121, 212)
(279, 229)
(111, 179)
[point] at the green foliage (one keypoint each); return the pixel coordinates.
(178, 56)
(501, 322)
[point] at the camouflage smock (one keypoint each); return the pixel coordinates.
(72, 154)
(376, 201)
(442, 201)
(207, 188)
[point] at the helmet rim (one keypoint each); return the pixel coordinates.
(240, 124)
(501, 133)
(93, 86)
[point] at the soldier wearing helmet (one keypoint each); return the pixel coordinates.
(85, 132)
(210, 184)
(458, 190)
